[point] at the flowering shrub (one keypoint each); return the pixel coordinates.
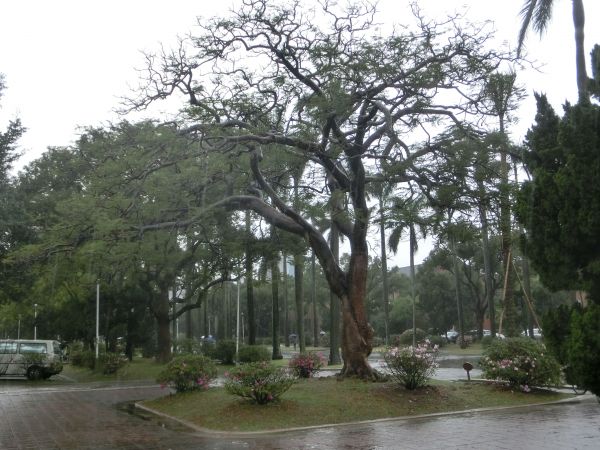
(260, 382)
(188, 373)
(412, 367)
(520, 362)
(307, 364)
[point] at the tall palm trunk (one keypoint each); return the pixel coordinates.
(250, 286)
(299, 297)
(286, 315)
(539, 12)
(275, 275)
(384, 272)
(487, 269)
(313, 295)
(459, 302)
(413, 246)
(579, 24)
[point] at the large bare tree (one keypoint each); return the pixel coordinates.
(335, 88)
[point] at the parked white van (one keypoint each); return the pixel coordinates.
(34, 359)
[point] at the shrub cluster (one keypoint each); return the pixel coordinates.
(111, 362)
(406, 337)
(225, 351)
(82, 358)
(259, 382)
(412, 366)
(307, 364)
(187, 347)
(253, 353)
(572, 334)
(437, 340)
(188, 373)
(520, 362)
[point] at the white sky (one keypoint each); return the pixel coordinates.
(67, 62)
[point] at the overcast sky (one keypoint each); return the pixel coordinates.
(67, 62)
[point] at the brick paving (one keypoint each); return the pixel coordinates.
(69, 417)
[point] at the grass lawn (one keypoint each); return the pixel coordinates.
(474, 349)
(139, 369)
(321, 401)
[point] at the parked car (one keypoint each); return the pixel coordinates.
(537, 333)
(450, 335)
(34, 359)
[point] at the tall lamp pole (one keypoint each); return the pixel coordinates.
(97, 317)
(35, 321)
(237, 330)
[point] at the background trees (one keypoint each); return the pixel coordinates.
(295, 118)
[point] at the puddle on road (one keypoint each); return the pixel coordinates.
(163, 422)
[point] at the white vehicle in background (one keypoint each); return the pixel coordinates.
(34, 359)
(537, 333)
(450, 335)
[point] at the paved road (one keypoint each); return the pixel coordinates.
(69, 417)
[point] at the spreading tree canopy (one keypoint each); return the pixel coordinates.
(328, 85)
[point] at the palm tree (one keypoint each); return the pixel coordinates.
(407, 214)
(383, 192)
(537, 14)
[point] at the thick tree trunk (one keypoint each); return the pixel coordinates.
(161, 314)
(189, 325)
(334, 305)
(357, 334)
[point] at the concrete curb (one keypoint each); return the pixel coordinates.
(246, 434)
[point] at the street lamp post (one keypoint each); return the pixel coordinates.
(19, 328)
(97, 318)
(237, 328)
(35, 321)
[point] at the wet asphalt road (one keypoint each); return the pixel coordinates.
(87, 417)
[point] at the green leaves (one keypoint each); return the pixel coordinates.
(559, 207)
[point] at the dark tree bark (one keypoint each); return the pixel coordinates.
(334, 305)
(163, 320)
